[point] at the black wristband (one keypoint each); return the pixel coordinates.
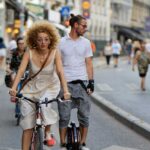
(91, 85)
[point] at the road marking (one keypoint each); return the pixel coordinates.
(7, 148)
(104, 87)
(132, 86)
(115, 147)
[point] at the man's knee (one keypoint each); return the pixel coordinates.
(84, 121)
(63, 123)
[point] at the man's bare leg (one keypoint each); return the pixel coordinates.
(62, 132)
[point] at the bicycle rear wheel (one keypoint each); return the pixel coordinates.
(37, 139)
(69, 138)
(75, 137)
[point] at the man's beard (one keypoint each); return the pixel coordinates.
(79, 34)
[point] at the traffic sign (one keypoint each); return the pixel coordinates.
(86, 8)
(65, 10)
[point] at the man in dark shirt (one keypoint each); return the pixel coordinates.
(17, 55)
(16, 58)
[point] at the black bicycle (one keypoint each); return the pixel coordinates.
(73, 133)
(37, 142)
(73, 137)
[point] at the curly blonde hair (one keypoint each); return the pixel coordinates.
(38, 27)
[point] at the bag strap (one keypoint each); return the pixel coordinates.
(34, 75)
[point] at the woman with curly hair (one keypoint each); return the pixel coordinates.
(42, 41)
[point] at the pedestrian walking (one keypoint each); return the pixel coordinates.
(76, 55)
(128, 49)
(108, 52)
(16, 58)
(142, 61)
(12, 45)
(147, 47)
(135, 47)
(46, 74)
(116, 47)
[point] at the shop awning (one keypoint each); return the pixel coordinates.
(131, 33)
(13, 4)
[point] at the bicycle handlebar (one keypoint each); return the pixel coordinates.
(47, 101)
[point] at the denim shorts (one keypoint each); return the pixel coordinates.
(81, 102)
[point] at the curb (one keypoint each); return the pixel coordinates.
(124, 117)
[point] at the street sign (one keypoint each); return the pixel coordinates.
(65, 11)
(86, 5)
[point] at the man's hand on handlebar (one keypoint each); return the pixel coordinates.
(67, 95)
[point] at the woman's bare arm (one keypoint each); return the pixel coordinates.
(60, 72)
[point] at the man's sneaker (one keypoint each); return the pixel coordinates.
(83, 147)
(63, 146)
(50, 140)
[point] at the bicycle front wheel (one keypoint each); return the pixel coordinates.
(37, 139)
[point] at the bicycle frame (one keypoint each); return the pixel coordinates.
(37, 141)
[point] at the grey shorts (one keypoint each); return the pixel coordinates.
(82, 103)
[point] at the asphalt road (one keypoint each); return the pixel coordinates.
(105, 132)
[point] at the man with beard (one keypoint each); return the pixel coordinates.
(77, 55)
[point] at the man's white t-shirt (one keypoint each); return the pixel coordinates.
(73, 54)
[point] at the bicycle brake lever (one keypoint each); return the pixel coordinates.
(46, 101)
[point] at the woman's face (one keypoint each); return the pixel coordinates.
(43, 41)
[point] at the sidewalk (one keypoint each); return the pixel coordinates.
(123, 116)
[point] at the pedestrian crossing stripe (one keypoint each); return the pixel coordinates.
(115, 147)
(132, 86)
(104, 87)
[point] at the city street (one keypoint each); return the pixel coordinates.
(105, 132)
(55, 40)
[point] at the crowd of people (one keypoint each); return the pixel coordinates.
(137, 52)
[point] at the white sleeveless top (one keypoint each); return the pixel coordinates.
(46, 81)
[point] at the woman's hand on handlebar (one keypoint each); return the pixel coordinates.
(12, 92)
(67, 95)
